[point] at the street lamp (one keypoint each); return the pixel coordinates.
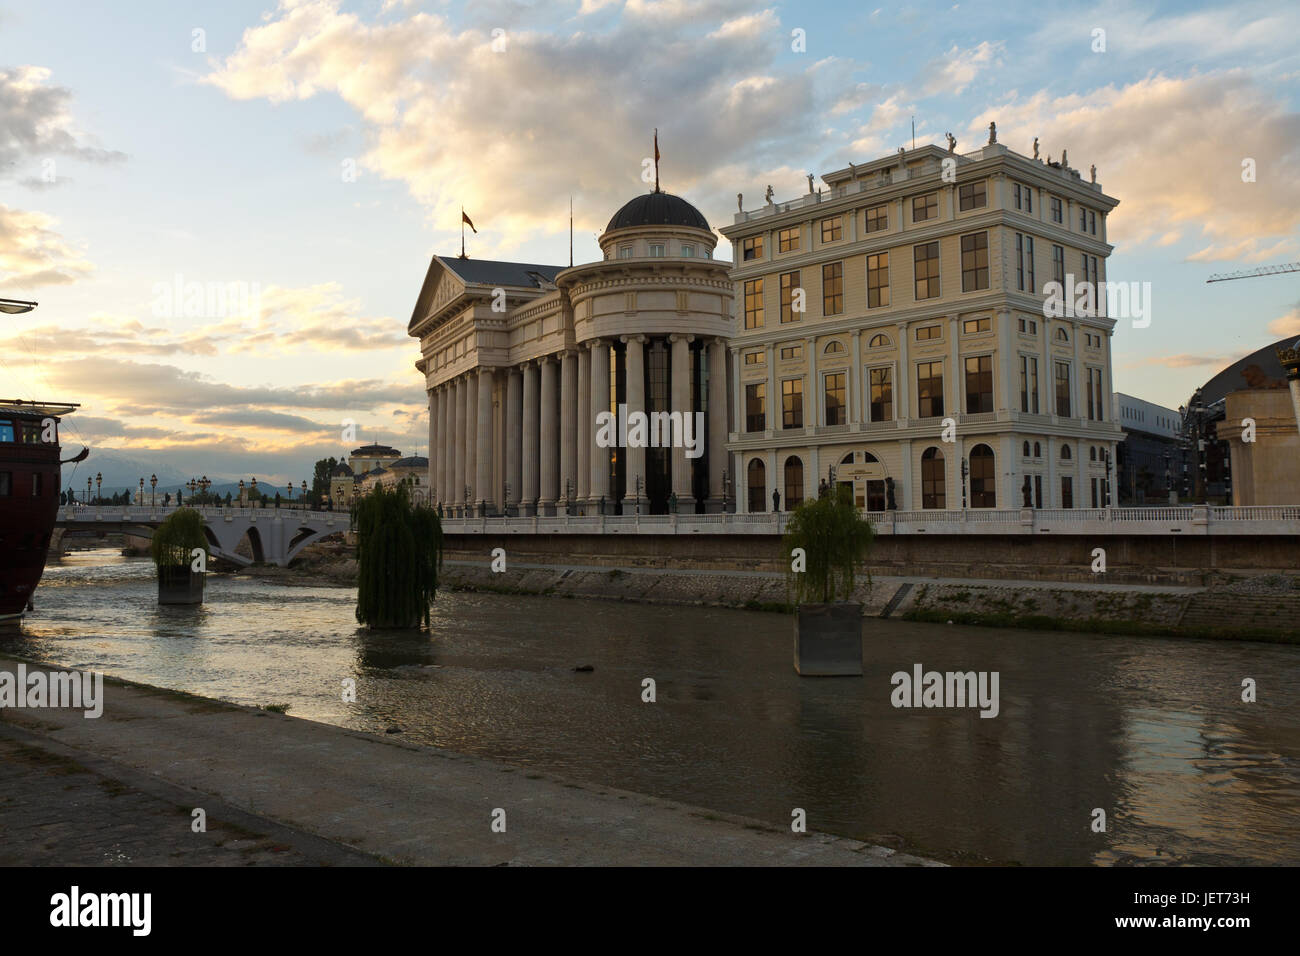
(252, 491)
(242, 500)
(141, 491)
(99, 485)
(88, 481)
(153, 491)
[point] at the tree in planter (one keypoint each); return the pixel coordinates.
(399, 553)
(827, 540)
(172, 548)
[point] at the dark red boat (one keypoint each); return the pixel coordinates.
(29, 496)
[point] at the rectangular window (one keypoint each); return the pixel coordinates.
(1058, 214)
(6, 431)
(657, 250)
(979, 384)
(753, 303)
(925, 266)
(1095, 488)
(752, 249)
(972, 196)
(688, 250)
(836, 413)
(882, 394)
(927, 332)
(1067, 491)
(833, 288)
(878, 218)
(1031, 284)
(792, 403)
(1083, 219)
(755, 407)
(878, 280)
(832, 229)
(971, 326)
(6, 484)
(1063, 389)
(1092, 223)
(1024, 198)
(755, 358)
(925, 207)
(1058, 264)
(792, 352)
(1094, 395)
(975, 262)
(1038, 491)
(625, 252)
(36, 484)
(1029, 384)
(929, 389)
(789, 283)
(787, 240)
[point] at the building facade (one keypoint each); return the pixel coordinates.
(1152, 464)
(911, 296)
(520, 360)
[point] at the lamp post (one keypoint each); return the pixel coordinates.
(252, 491)
(141, 491)
(1106, 502)
(637, 485)
(964, 472)
(204, 485)
(99, 486)
(153, 491)
(88, 483)
(242, 500)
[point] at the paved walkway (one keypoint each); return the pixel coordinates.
(335, 796)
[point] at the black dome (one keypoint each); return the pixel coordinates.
(657, 209)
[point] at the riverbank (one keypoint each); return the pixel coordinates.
(393, 801)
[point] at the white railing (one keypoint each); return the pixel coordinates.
(146, 514)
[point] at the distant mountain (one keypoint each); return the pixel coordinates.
(122, 472)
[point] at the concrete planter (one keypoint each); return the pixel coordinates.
(828, 640)
(180, 585)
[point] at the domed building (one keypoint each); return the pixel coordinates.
(597, 388)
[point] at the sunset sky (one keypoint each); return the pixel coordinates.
(318, 152)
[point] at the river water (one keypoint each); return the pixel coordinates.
(1152, 731)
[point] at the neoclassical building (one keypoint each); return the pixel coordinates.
(909, 293)
(520, 360)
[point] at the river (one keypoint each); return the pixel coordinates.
(1152, 731)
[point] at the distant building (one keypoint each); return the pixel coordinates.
(1151, 461)
(412, 471)
(342, 485)
(369, 457)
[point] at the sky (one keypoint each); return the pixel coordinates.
(291, 168)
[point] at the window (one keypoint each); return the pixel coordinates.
(752, 249)
(975, 261)
(832, 288)
(707, 252)
(793, 482)
(657, 250)
(836, 413)
(1058, 263)
(925, 266)
(1038, 491)
(1029, 384)
(1092, 223)
(756, 479)
(1067, 491)
(925, 207)
(878, 218)
(878, 280)
(882, 394)
(927, 332)
(1063, 389)
(1024, 198)
(979, 384)
(1065, 453)
(6, 431)
(972, 196)
(983, 478)
(789, 287)
(1038, 450)
(1025, 263)
(755, 358)
(6, 484)
(792, 403)
(1096, 487)
(787, 240)
(1057, 211)
(1083, 219)
(832, 229)
(880, 341)
(755, 405)
(1094, 394)
(832, 347)
(929, 389)
(792, 352)
(753, 303)
(972, 326)
(932, 479)
(625, 252)
(1026, 451)
(1062, 335)
(688, 250)
(1028, 326)
(1092, 454)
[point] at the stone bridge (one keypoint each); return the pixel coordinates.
(275, 535)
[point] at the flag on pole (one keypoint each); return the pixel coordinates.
(469, 222)
(656, 159)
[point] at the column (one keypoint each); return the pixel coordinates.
(432, 479)
(568, 426)
(903, 387)
(471, 441)
(681, 401)
(514, 439)
(854, 413)
(636, 403)
(738, 393)
(717, 428)
(1006, 364)
(549, 453)
(1077, 408)
(531, 477)
(585, 432)
(773, 417)
(903, 496)
(484, 492)
(958, 405)
(446, 442)
(599, 477)
(456, 493)
(812, 403)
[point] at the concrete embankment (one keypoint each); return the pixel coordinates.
(394, 801)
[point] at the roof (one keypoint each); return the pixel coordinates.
(657, 209)
(496, 273)
(370, 451)
(414, 461)
(342, 470)
(1259, 369)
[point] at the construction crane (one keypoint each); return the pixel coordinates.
(1252, 273)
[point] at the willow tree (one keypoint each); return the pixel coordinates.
(180, 551)
(834, 540)
(399, 553)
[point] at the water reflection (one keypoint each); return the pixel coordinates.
(1152, 731)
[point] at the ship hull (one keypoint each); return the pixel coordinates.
(29, 501)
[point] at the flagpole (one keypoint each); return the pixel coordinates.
(462, 231)
(570, 232)
(656, 159)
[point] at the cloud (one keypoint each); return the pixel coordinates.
(1288, 324)
(957, 69)
(35, 120)
(33, 253)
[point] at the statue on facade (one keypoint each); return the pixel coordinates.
(1065, 159)
(1035, 147)
(769, 194)
(810, 184)
(993, 133)
(1093, 172)
(776, 500)
(952, 142)
(740, 202)
(890, 503)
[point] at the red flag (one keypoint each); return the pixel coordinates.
(469, 222)
(656, 146)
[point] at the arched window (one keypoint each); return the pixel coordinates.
(1065, 453)
(983, 478)
(1026, 449)
(879, 342)
(1092, 452)
(847, 459)
(793, 482)
(1062, 335)
(869, 458)
(1038, 450)
(757, 478)
(932, 479)
(832, 347)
